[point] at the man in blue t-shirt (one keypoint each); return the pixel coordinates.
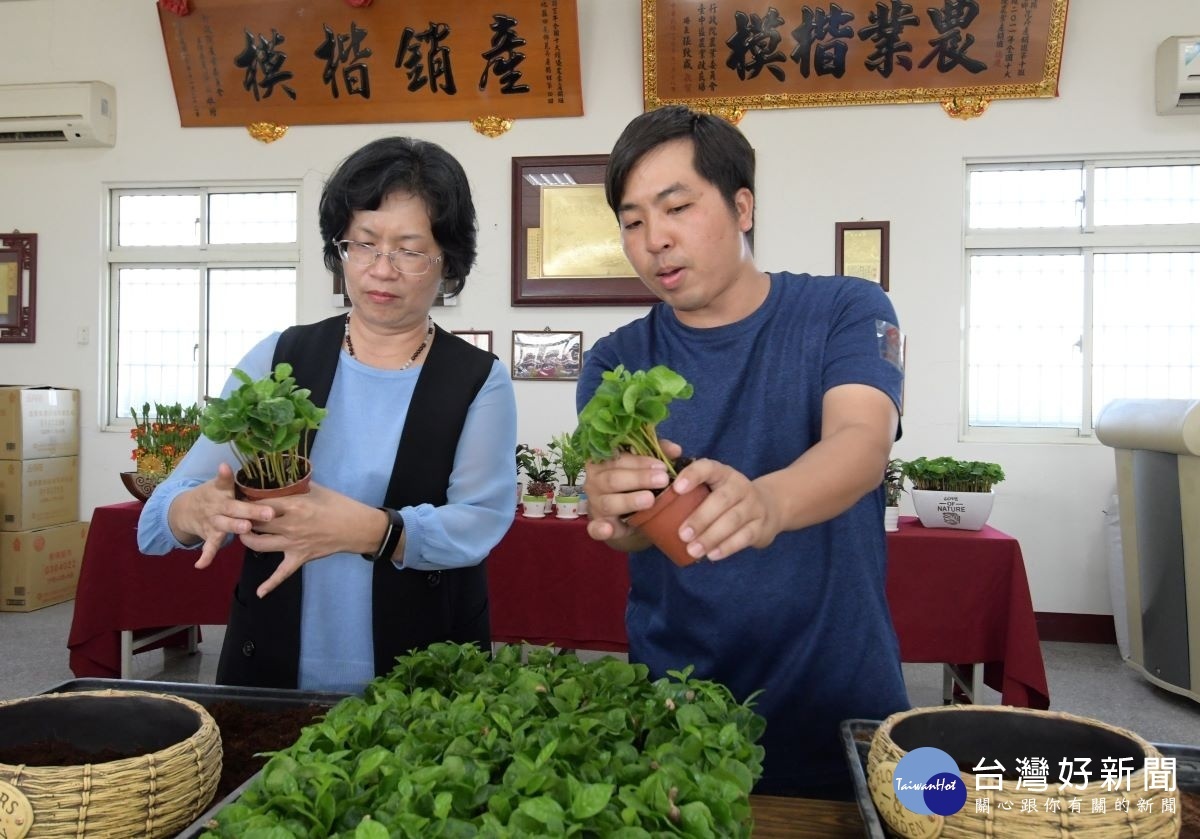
(797, 382)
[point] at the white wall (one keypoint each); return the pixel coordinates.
(816, 166)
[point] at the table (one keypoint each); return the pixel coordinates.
(956, 596)
(129, 601)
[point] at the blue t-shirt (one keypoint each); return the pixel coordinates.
(806, 620)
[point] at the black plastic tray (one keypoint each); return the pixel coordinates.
(206, 695)
(856, 743)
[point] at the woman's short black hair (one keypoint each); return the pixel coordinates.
(402, 164)
(722, 154)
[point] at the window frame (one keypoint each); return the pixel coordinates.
(1087, 240)
(204, 257)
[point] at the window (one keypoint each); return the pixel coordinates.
(1083, 286)
(197, 276)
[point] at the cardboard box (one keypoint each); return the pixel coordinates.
(40, 567)
(38, 422)
(38, 493)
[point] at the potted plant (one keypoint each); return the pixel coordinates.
(893, 486)
(267, 422)
(539, 488)
(953, 493)
(570, 461)
(160, 440)
(622, 416)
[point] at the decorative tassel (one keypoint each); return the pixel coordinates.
(183, 8)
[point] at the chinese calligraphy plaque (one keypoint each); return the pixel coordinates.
(324, 62)
(726, 56)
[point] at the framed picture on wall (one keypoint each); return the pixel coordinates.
(861, 250)
(566, 244)
(18, 287)
(478, 338)
(547, 355)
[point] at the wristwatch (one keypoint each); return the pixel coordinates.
(391, 536)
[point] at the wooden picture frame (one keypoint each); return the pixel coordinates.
(566, 243)
(861, 250)
(18, 287)
(479, 338)
(547, 355)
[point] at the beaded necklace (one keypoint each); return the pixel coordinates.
(412, 358)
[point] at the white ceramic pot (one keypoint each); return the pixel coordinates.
(891, 519)
(957, 510)
(534, 506)
(566, 506)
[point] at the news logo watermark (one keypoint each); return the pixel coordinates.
(927, 781)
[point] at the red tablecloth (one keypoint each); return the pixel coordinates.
(121, 588)
(957, 596)
(549, 583)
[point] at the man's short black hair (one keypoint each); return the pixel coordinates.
(722, 154)
(402, 164)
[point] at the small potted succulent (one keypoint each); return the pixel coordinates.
(539, 488)
(160, 440)
(622, 416)
(266, 421)
(953, 493)
(570, 461)
(893, 487)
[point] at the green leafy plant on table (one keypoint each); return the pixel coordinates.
(455, 743)
(567, 458)
(267, 420)
(893, 482)
(950, 475)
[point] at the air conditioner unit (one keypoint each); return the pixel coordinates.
(1177, 76)
(57, 114)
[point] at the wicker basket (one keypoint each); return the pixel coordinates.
(153, 794)
(971, 733)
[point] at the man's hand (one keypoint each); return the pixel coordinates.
(617, 488)
(737, 513)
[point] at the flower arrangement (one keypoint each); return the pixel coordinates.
(538, 468)
(161, 439)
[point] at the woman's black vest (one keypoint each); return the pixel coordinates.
(410, 609)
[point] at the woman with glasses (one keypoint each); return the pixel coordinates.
(412, 466)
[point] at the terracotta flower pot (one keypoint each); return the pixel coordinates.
(661, 522)
(250, 492)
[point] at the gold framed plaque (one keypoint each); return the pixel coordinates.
(861, 250)
(566, 243)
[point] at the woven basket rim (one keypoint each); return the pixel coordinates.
(203, 719)
(997, 821)
(153, 794)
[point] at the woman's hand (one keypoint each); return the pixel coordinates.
(210, 512)
(312, 526)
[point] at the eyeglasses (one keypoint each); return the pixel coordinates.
(413, 263)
